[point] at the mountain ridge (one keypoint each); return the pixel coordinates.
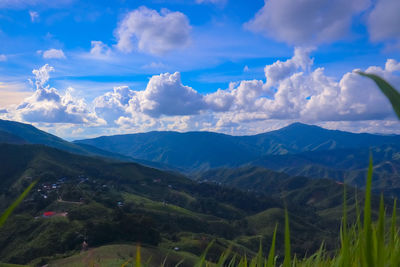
(192, 151)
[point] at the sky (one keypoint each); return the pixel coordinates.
(81, 69)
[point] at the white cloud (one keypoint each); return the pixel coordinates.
(392, 65)
(113, 105)
(3, 58)
(306, 22)
(53, 53)
(239, 97)
(99, 49)
(34, 15)
(153, 32)
(384, 21)
(280, 70)
(42, 75)
(294, 90)
(166, 95)
(307, 95)
(47, 105)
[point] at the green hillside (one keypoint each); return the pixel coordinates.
(13, 132)
(347, 165)
(108, 202)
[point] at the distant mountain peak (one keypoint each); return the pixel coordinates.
(300, 125)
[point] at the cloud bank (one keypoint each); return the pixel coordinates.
(48, 105)
(293, 90)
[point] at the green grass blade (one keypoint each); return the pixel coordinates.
(358, 213)
(392, 94)
(287, 260)
(10, 209)
(232, 262)
(224, 256)
(381, 234)
(202, 259)
(368, 249)
(138, 254)
(271, 255)
(393, 227)
(344, 232)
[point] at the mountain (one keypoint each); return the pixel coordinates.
(323, 196)
(110, 202)
(194, 151)
(298, 137)
(9, 138)
(343, 165)
(13, 132)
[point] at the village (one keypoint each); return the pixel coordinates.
(67, 190)
(58, 191)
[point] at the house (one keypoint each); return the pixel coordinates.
(48, 214)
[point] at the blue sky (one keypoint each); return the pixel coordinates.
(239, 67)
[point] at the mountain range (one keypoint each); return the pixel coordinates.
(194, 151)
(298, 150)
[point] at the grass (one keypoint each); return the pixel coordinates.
(15, 204)
(392, 94)
(127, 255)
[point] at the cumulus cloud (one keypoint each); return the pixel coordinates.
(153, 32)
(293, 90)
(48, 105)
(306, 22)
(53, 53)
(113, 105)
(42, 76)
(280, 70)
(166, 95)
(3, 58)
(383, 21)
(99, 49)
(392, 65)
(308, 95)
(239, 96)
